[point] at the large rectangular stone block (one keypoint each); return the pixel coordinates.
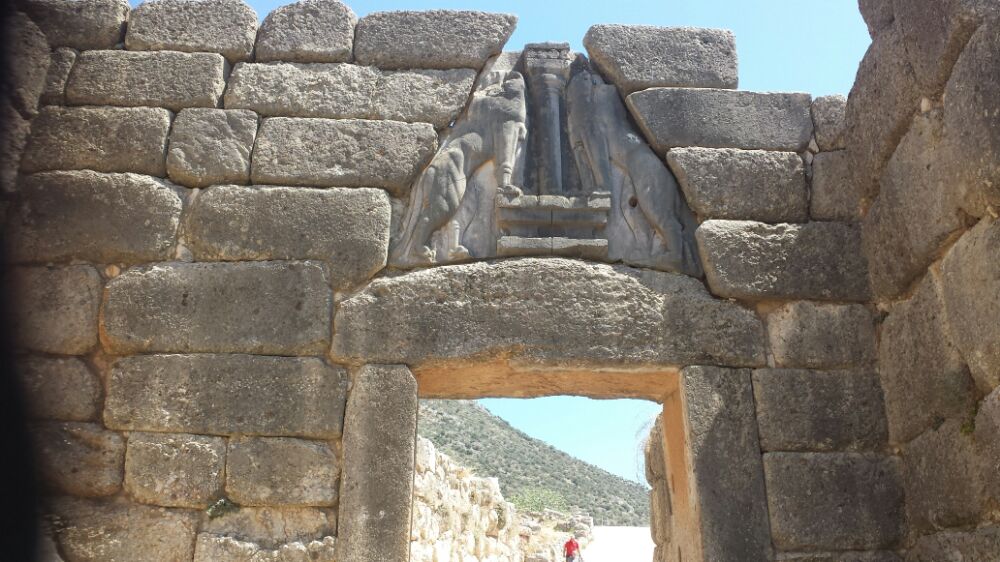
(277, 308)
(380, 432)
(280, 471)
(60, 65)
(175, 469)
(227, 394)
(680, 117)
(80, 459)
(320, 31)
(80, 24)
(256, 525)
(828, 113)
(228, 27)
(800, 410)
(341, 153)
(751, 260)
(349, 228)
(215, 548)
(60, 388)
(159, 79)
(833, 501)
(211, 146)
(834, 196)
(104, 139)
(56, 308)
(102, 218)
(821, 336)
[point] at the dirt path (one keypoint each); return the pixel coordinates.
(620, 544)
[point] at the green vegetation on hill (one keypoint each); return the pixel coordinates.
(532, 474)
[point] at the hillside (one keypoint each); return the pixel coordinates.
(532, 473)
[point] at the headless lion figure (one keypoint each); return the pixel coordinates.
(603, 140)
(491, 131)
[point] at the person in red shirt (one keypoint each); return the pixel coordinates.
(572, 550)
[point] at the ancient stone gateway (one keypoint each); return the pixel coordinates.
(244, 250)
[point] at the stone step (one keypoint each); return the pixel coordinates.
(509, 246)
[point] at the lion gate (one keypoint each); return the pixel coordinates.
(244, 251)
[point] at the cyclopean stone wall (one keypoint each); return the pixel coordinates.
(223, 367)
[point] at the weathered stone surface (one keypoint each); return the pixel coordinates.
(227, 27)
(981, 544)
(60, 389)
(271, 528)
(175, 469)
(916, 212)
(971, 122)
(835, 196)
(104, 139)
(821, 260)
(379, 439)
(827, 336)
(13, 138)
(678, 117)
(61, 62)
(636, 57)
(922, 372)
(349, 228)
(970, 281)
(28, 62)
(431, 39)
(80, 24)
(307, 31)
(92, 531)
(833, 500)
(882, 556)
(742, 184)
(800, 410)
(213, 548)
(227, 394)
(276, 308)
(341, 153)
(81, 459)
(347, 91)
(103, 218)
(211, 146)
(829, 120)
(572, 307)
(725, 463)
(986, 433)
(161, 79)
(879, 107)
(279, 471)
(878, 14)
(56, 308)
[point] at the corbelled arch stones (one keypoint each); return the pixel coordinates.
(244, 250)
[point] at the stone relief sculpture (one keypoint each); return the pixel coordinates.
(577, 180)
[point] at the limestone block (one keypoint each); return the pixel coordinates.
(828, 114)
(56, 308)
(92, 531)
(820, 260)
(104, 139)
(879, 108)
(718, 409)
(986, 433)
(878, 14)
(103, 218)
(922, 372)
(916, 212)
(679, 117)
(280, 471)
(272, 527)
(213, 548)
(28, 58)
(60, 65)
(227, 394)
(211, 146)
(60, 388)
(174, 469)
(80, 24)
(276, 308)
(742, 184)
(349, 228)
(800, 410)
(341, 153)
(428, 96)
(227, 27)
(81, 459)
(431, 39)
(980, 544)
(970, 121)
(824, 336)
(572, 306)
(833, 500)
(307, 31)
(378, 448)
(835, 195)
(13, 138)
(334, 90)
(970, 281)
(159, 79)
(636, 57)
(880, 556)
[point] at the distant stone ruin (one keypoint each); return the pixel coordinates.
(241, 252)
